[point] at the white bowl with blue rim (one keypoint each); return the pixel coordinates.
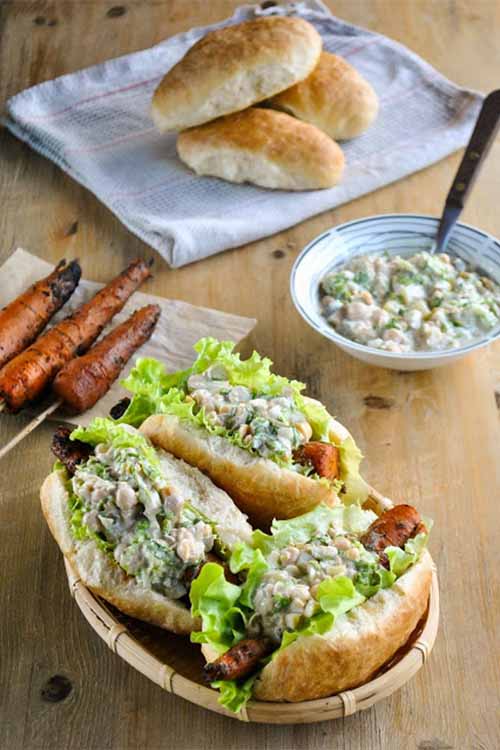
(396, 234)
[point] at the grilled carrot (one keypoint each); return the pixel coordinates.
(239, 661)
(84, 380)
(69, 452)
(23, 319)
(26, 376)
(394, 527)
(324, 458)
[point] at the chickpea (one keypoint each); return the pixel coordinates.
(352, 554)
(305, 430)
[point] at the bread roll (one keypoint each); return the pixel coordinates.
(234, 67)
(259, 487)
(358, 645)
(335, 98)
(101, 575)
(264, 147)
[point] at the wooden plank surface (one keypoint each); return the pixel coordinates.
(430, 438)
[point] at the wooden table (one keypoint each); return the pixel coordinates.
(430, 438)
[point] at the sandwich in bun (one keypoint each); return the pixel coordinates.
(325, 600)
(276, 452)
(135, 523)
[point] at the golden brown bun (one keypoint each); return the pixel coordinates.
(359, 644)
(335, 98)
(108, 580)
(267, 148)
(233, 68)
(258, 486)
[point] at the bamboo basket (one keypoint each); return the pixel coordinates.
(175, 664)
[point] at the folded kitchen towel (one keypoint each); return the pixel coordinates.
(95, 124)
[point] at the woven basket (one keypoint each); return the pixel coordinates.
(175, 664)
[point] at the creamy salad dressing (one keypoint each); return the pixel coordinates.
(152, 533)
(423, 302)
(271, 426)
(286, 594)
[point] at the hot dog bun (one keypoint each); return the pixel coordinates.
(357, 646)
(264, 147)
(259, 487)
(359, 643)
(232, 68)
(335, 98)
(106, 579)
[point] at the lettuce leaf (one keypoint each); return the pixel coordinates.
(213, 599)
(318, 624)
(401, 559)
(349, 519)
(102, 430)
(338, 595)
(334, 596)
(317, 416)
(234, 695)
(252, 560)
(356, 489)
(371, 577)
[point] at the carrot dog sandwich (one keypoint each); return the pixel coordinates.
(276, 452)
(136, 524)
(323, 602)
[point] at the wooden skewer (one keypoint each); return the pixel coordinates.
(29, 427)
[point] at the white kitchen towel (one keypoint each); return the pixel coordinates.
(95, 124)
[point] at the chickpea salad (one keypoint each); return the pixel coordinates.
(245, 403)
(405, 304)
(296, 581)
(121, 499)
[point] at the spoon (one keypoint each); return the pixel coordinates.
(475, 154)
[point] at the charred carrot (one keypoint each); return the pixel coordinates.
(23, 319)
(239, 661)
(393, 528)
(27, 375)
(323, 457)
(69, 452)
(84, 380)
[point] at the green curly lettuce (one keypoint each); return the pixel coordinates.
(102, 430)
(214, 600)
(356, 490)
(233, 694)
(401, 559)
(157, 392)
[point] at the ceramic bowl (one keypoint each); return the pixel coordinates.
(397, 234)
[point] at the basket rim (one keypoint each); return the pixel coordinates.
(348, 702)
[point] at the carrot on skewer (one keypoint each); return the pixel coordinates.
(23, 319)
(83, 381)
(26, 376)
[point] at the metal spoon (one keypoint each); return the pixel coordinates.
(477, 149)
